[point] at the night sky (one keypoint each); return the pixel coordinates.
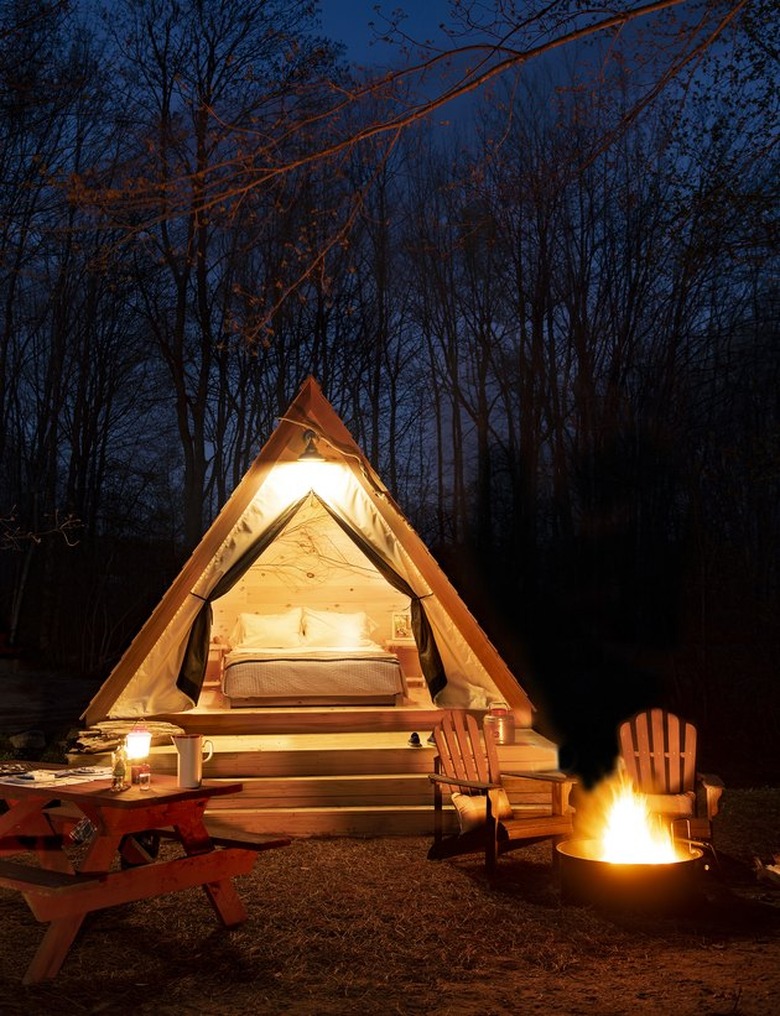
(348, 22)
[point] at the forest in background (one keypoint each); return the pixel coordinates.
(556, 340)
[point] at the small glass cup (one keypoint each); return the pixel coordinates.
(144, 779)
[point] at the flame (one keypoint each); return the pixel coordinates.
(626, 831)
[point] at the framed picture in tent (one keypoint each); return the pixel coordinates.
(402, 626)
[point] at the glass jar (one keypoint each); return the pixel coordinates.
(500, 723)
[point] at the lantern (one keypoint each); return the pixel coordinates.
(137, 744)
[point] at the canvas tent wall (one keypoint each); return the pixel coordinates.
(162, 668)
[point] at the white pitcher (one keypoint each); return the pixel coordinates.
(191, 748)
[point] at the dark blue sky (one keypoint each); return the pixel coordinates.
(347, 21)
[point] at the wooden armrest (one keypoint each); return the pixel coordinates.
(713, 787)
(561, 785)
(454, 781)
(548, 775)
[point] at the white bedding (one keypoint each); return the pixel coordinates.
(312, 675)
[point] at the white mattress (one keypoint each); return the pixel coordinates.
(296, 674)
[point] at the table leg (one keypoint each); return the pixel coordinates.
(32, 830)
(53, 949)
(222, 895)
(192, 832)
(20, 813)
(55, 859)
(101, 852)
(226, 902)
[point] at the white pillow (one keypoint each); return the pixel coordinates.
(472, 809)
(332, 628)
(268, 631)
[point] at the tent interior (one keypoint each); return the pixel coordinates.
(311, 563)
(315, 601)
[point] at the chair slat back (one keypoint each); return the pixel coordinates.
(493, 764)
(659, 752)
(461, 753)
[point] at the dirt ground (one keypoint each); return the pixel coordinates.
(370, 926)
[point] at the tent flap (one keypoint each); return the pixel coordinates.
(193, 668)
(430, 661)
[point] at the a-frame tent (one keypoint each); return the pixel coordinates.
(162, 670)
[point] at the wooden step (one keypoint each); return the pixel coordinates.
(305, 754)
(321, 781)
(377, 821)
(383, 752)
(394, 790)
(401, 803)
(342, 719)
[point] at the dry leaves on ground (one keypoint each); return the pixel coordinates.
(370, 926)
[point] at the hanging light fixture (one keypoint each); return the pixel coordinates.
(310, 452)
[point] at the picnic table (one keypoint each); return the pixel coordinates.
(116, 865)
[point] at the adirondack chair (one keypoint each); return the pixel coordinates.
(467, 767)
(658, 754)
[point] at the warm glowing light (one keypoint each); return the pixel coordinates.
(626, 831)
(138, 742)
(293, 480)
(632, 835)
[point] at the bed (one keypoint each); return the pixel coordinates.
(320, 658)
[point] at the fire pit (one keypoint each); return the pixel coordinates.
(586, 878)
(629, 859)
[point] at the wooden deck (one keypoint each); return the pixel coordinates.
(346, 771)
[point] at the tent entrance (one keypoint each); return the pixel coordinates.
(310, 556)
(311, 562)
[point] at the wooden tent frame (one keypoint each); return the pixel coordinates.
(310, 410)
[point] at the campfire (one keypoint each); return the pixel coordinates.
(627, 856)
(622, 830)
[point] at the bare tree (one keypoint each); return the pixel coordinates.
(323, 119)
(198, 79)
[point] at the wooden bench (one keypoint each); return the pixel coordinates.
(62, 899)
(22, 844)
(225, 836)
(43, 881)
(244, 840)
(45, 890)
(250, 844)
(135, 852)
(63, 817)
